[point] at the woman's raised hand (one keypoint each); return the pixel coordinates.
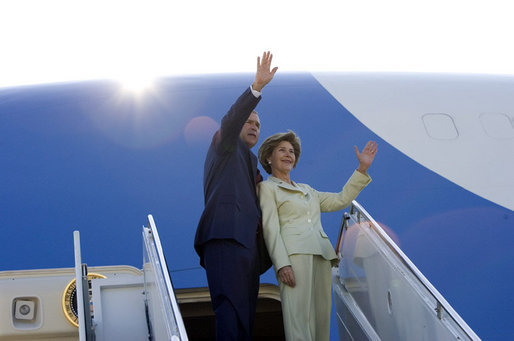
(367, 156)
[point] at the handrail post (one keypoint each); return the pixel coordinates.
(78, 286)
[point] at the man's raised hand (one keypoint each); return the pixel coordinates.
(264, 72)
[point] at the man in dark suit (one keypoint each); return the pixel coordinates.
(228, 233)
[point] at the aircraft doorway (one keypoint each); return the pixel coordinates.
(198, 317)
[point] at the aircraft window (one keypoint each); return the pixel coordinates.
(440, 126)
(498, 126)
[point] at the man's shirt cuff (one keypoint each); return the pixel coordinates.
(256, 93)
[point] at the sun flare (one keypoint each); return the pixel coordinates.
(137, 84)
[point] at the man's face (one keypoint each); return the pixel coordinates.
(250, 132)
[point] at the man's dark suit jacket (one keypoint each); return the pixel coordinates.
(232, 209)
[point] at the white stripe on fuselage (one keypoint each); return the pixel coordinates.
(470, 118)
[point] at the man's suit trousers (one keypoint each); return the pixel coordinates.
(233, 276)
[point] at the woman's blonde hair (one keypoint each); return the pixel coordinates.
(267, 147)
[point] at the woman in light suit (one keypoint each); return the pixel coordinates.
(299, 248)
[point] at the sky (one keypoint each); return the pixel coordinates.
(61, 40)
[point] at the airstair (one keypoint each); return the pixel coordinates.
(156, 318)
(379, 293)
(101, 303)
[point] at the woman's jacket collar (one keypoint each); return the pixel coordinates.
(281, 183)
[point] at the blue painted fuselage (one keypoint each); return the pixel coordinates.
(91, 157)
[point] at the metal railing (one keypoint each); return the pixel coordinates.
(163, 314)
(397, 300)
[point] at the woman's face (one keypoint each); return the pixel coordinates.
(283, 158)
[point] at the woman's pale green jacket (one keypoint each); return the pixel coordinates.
(291, 216)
